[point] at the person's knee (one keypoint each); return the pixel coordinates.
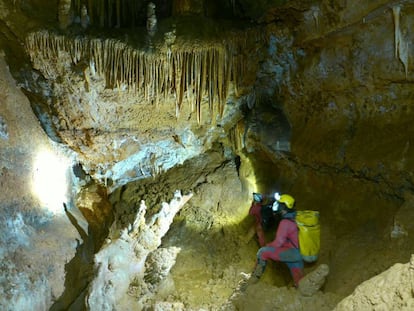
(259, 253)
(263, 252)
(261, 259)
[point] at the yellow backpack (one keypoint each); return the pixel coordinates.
(309, 234)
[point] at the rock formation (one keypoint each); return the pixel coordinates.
(310, 98)
(120, 264)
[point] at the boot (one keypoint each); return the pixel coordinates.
(258, 270)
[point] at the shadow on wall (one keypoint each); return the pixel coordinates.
(79, 271)
(97, 211)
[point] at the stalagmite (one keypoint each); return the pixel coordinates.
(124, 260)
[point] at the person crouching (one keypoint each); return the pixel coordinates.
(285, 246)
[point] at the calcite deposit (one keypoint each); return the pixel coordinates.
(107, 108)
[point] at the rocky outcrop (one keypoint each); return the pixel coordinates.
(390, 290)
(120, 264)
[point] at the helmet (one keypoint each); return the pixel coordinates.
(288, 200)
(257, 197)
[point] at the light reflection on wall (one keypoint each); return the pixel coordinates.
(248, 175)
(50, 180)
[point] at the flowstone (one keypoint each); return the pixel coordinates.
(121, 262)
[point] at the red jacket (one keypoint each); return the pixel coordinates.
(255, 211)
(286, 234)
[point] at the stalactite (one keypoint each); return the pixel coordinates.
(204, 67)
(182, 83)
(201, 79)
(191, 85)
(201, 74)
(155, 80)
(167, 75)
(209, 85)
(240, 131)
(115, 64)
(315, 14)
(236, 136)
(141, 65)
(403, 55)
(84, 17)
(220, 80)
(147, 79)
(401, 50)
(158, 83)
(227, 80)
(151, 19)
(199, 89)
(128, 78)
(397, 34)
(64, 14)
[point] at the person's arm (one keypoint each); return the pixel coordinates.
(251, 209)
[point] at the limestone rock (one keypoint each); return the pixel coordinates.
(312, 282)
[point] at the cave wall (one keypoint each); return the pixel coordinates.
(355, 92)
(341, 81)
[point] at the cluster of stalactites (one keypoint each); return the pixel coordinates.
(186, 73)
(111, 13)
